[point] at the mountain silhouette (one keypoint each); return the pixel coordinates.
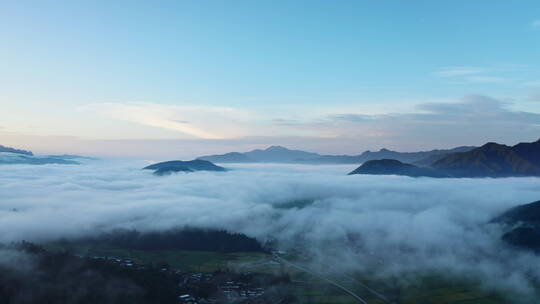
(493, 160)
(13, 150)
(279, 154)
(522, 225)
(395, 167)
(169, 167)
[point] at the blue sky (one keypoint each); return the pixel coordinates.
(243, 74)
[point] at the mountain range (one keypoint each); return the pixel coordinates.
(493, 160)
(489, 160)
(395, 167)
(9, 158)
(12, 156)
(279, 154)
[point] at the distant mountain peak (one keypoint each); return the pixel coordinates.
(277, 148)
(272, 154)
(280, 154)
(491, 145)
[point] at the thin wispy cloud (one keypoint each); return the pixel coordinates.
(470, 74)
(536, 23)
(459, 71)
(496, 74)
(486, 79)
(471, 110)
(470, 120)
(534, 84)
(193, 121)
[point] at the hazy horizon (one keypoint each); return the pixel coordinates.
(163, 149)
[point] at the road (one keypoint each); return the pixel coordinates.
(345, 289)
(380, 296)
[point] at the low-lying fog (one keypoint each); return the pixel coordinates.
(395, 224)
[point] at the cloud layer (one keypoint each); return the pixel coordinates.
(472, 120)
(391, 224)
(465, 122)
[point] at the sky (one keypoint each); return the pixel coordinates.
(184, 78)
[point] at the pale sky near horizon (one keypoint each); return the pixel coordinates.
(184, 78)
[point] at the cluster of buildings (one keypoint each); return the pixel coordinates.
(127, 263)
(224, 287)
(196, 278)
(233, 291)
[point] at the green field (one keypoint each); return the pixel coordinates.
(189, 261)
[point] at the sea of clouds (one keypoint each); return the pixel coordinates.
(344, 223)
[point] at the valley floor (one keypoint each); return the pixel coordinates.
(303, 286)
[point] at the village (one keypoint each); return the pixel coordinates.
(211, 288)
